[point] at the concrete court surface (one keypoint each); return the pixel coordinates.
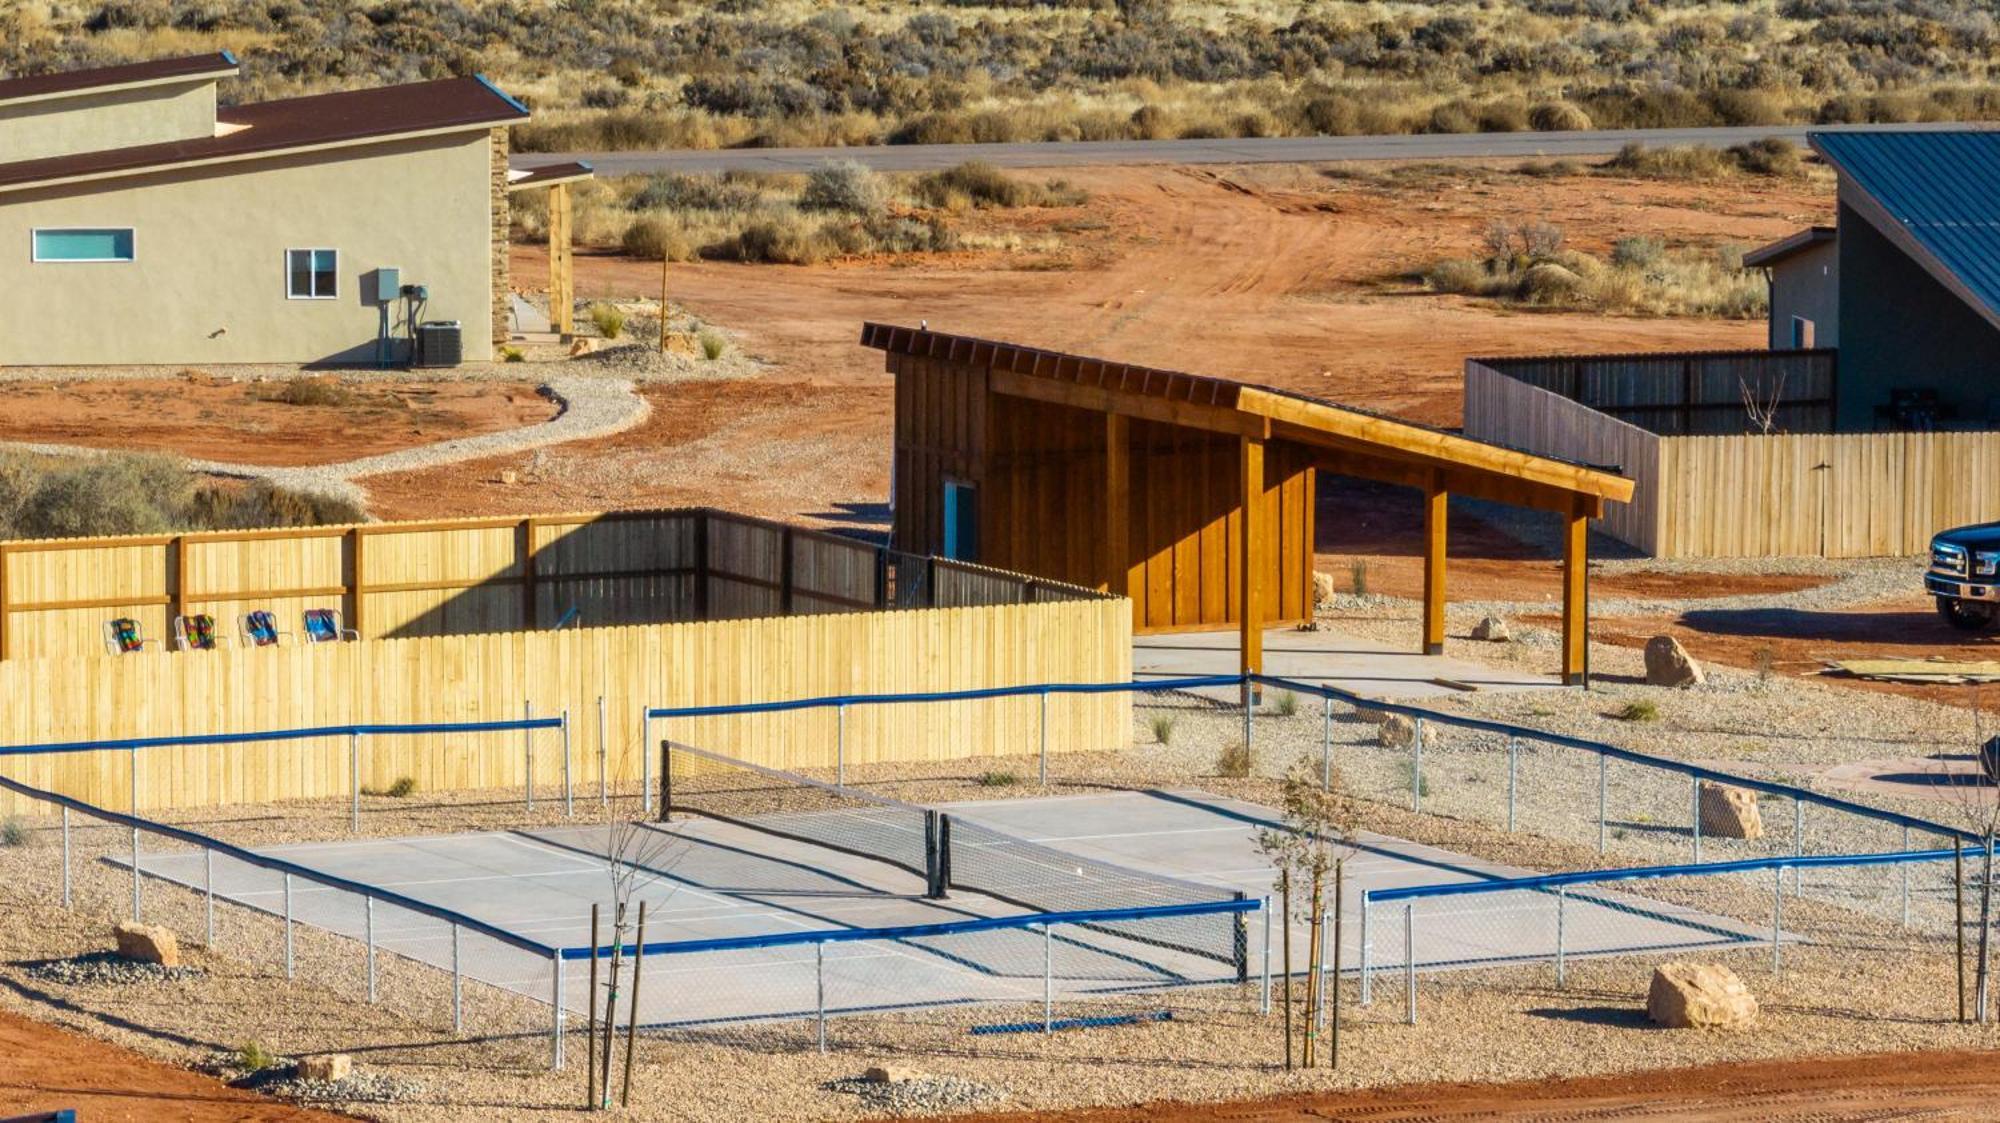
(1329, 659)
(716, 880)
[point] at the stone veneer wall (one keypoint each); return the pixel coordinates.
(503, 220)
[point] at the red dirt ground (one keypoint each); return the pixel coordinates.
(43, 1068)
(212, 418)
(1954, 1085)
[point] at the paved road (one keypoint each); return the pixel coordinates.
(1264, 150)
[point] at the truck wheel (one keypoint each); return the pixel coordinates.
(1966, 616)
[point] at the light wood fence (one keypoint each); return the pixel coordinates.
(465, 576)
(1837, 495)
(489, 677)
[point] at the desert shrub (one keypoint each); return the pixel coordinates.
(1150, 122)
(677, 192)
(1234, 761)
(1694, 162)
(1331, 115)
(712, 345)
(1411, 777)
(1642, 709)
(652, 239)
(13, 832)
(1557, 116)
(1163, 727)
(845, 186)
(1637, 252)
(1286, 703)
(512, 355)
(979, 183)
(1357, 577)
(786, 240)
(1453, 117)
(998, 779)
(120, 494)
(609, 319)
(1770, 156)
(932, 128)
(312, 392)
(253, 1056)
(261, 503)
(1503, 117)
(403, 786)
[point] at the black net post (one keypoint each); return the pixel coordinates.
(942, 876)
(933, 889)
(666, 780)
(1239, 932)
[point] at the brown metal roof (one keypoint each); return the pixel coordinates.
(1153, 382)
(300, 122)
(74, 81)
(1787, 246)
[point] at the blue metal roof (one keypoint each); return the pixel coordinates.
(1939, 186)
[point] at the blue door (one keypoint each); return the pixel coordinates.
(961, 521)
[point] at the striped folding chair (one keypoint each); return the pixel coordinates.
(123, 637)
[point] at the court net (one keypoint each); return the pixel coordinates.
(949, 852)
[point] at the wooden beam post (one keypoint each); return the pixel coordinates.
(357, 590)
(562, 295)
(1576, 604)
(1437, 507)
(1252, 561)
(1117, 503)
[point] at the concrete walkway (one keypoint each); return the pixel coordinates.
(1329, 658)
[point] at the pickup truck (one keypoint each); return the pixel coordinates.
(1965, 576)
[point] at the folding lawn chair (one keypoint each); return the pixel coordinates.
(197, 633)
(260, 628)
(323, 626)
(122, 636)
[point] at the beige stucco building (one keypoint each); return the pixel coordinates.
(140, 223)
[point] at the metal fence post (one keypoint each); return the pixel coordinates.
(1249, 729)
(208, 895)
(65, 857)
(368, 906)
(1410, 961)
(1694, 814)
(1326, 743)
(1417, 766)
(1045, 739)
(1367, 954)
(1048, 977)
(288, 924)
(457, 986)
(1562, 942)
(1906, 877)
(819, 984)
(604, 758)
(1325, 965)
(1603, 800)
(1798, 839)
(1264, 984)
(528, 755)
(354, 782)
(840, 745)
(556, 1011)
(1778, 911)
(1513, 754)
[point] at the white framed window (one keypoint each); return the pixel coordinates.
(83, 244)
(312, 274)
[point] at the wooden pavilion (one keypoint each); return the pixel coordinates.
(556, 179)
(1157, 484)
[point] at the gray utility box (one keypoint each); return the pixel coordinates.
(439, 344)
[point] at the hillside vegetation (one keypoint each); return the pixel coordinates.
(708, 73)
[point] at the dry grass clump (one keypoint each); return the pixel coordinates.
(1526, 264)
(140, 493)
(1770, 157)
(838, 210)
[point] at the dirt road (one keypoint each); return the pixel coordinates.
(1937, 1086)
(43, 1068)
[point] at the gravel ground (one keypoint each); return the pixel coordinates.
(1861, 982)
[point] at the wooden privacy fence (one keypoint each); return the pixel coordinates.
(465, 576)
(489, 677)
(1836, 495)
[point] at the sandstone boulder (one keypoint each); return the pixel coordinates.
(1322, 589)
(891, 1074)
(147, 943)
(1493, 630)
(683, 343)
(1699, 996)
(1397, 732)
(1729, 812)
(327, 1069)
(1669, 664)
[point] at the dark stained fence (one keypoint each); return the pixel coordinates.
(1693, 393)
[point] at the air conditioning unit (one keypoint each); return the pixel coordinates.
(439, 344)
